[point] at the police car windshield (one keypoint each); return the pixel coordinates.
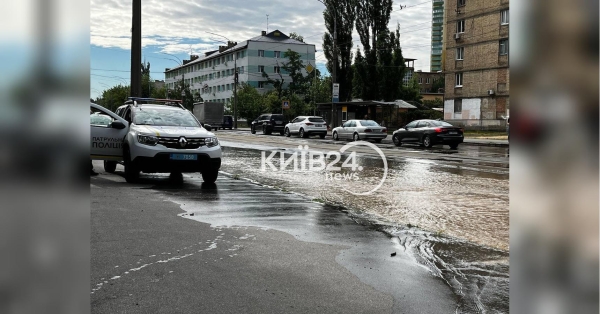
(164, 117)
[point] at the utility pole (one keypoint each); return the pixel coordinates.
(235, 83)
(136, 49)
(333, 105)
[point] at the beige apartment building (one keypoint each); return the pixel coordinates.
(476, 62)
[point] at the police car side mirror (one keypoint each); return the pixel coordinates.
(117, 125)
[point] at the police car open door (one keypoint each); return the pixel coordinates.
(107, 131)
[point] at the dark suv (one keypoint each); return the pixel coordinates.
(227, 122)
(268, 123)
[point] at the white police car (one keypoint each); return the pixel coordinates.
(155, 136)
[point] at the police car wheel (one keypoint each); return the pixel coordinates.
(131, 172)
(110, 166)
(210, 175)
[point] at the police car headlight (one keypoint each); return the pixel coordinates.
(147, 139)
(211, 141)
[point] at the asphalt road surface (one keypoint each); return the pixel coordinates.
(166, 246)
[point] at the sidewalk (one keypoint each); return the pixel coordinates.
(468, 140)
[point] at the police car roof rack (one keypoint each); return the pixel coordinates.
(155, 101)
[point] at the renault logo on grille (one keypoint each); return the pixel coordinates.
(182, 141)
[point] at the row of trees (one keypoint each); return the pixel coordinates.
(378, 69)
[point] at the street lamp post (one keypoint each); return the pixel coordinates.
(182, 73)
(235, 82)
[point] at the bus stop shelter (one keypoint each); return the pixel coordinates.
(387, 113)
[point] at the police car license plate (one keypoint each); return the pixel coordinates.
(184, 157)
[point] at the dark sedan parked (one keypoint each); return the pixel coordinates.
(429, 133)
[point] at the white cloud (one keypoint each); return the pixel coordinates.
(172, 25)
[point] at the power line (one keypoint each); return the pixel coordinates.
(404, 7)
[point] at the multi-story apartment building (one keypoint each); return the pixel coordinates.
(212, 76)
(476, 62)
(437, 35)
(427, 79)
(427, 82)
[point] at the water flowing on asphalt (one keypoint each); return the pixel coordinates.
(452, 219)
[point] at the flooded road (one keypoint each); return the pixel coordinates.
(447, 209)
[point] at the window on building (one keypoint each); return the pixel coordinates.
(277, 54)
(277, 69)
(503, 50)
(457, 105)
(420, 80)
(261, 53)
(461, 3)
(460, 53)
(427, 81)
(261, 68)
(242, 70)
(504, 17)
(460, 26)
(458, 78)
(261, 84)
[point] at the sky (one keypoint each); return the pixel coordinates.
(172, 29)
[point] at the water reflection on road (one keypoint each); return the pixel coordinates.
(452, 219)
(462, 203)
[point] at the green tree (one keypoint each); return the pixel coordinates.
(160, 93)
(437, 84)
(343, 13)
(113, 97)
(250, 104)
(381, 69)
(319, 91)
(412, 92)
(277, 83)
(390, 65)
(294, 68)
(436, 103)
(183, 92)
(147, 85)
(296, 36)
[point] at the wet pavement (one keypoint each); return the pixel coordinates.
(448, 209)
(443, 212)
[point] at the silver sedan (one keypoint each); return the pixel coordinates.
(360, 130)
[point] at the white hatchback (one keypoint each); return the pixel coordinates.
(306, 126)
